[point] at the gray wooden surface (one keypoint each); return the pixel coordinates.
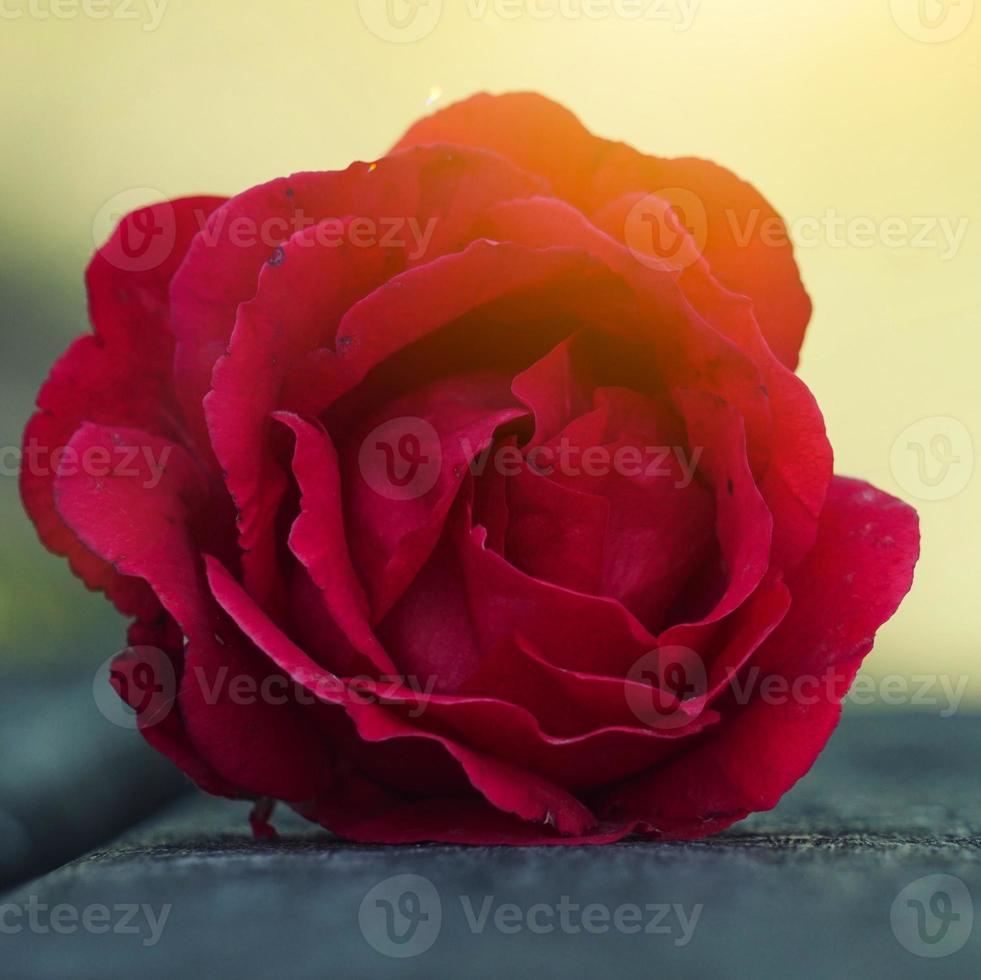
(871, 867)
(69, 778)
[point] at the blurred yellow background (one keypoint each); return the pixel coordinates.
(859, 121)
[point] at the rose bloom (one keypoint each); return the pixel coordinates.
(470, 494)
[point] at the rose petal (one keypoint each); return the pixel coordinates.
(140, 521)
(851, 582)
(590, 172)
(392, 526)
(319, 540)
(441, 189)
(507, 787)
(120, 376)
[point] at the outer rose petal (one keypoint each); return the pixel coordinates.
(141, 523)
(167, 734)
(368, 815)
(851, 582)
(545, 138)
(119, 376)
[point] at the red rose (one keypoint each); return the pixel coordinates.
(470, 494)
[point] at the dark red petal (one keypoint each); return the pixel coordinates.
(562, 624)
(545, 138)
(169, 737)
(429, 631)
(849, 585)
(660, 518)
(744, 527)
(527, 295)
(567, 703)
(557, 533)
(319, 540)
(129, 297)
(393, 525)
(368, 815)
(555, 389)
(744, 632)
